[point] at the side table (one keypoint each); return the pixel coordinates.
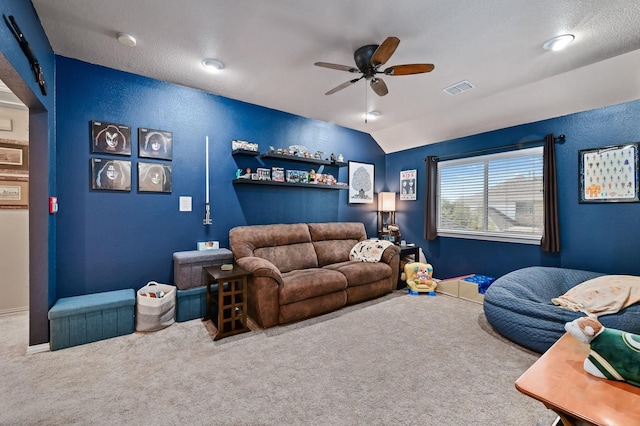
(230, 300)
(407, 250)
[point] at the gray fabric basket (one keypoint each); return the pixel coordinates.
(154, 314)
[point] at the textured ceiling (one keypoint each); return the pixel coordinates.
(269, 48)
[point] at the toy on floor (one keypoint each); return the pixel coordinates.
(419, 277)
(613, 354)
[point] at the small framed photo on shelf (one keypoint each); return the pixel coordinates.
(361, 182)
(277, 174)
(154, 177)
(297, 176)
(110, 138)
(263, 173)
(155, 144)
(110, 175)
(609, 174)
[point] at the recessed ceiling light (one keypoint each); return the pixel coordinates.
(559, 43)
(127, 39)
(212, 64)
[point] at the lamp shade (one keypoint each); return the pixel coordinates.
(386, 201)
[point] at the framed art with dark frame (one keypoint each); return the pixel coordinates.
(154, 177)
(14, 192)
(361, 182)
(14, 155)
(609, 174)
(155, 144)
(110, 175)
(110, 138)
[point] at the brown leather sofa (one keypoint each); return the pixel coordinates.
(303, 270)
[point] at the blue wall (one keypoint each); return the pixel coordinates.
(598, 237)
(112, 240)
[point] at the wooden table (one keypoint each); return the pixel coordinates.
(559, 381)
(407, 251)
(230, 298)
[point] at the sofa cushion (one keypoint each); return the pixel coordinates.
(287, 246)
(307, 283)
(334, 241)
(361, 273)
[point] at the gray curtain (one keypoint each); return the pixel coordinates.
(430, 218)
(551, 234)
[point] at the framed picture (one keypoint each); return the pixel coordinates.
(361, 182)
(155, 144)
(14, 155)
(263, 173)
(110, 138)
(154, 177)
(14, 193)
(111, 175)
(408, 184)
(277, 174)
(609, 174)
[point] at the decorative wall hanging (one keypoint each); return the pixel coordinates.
(609, 174)
(408, 184)
(14, 156)
(155, 144)
(110, 138)
(107, 174)
(361, 182)
(154, 177)
(14, 192)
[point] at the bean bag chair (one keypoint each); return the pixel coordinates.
(518, 306)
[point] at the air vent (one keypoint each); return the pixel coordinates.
(457, 88)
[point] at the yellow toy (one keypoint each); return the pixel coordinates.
(419, 277)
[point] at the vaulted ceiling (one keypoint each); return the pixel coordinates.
(269, 49)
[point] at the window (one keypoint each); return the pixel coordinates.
(492, 197)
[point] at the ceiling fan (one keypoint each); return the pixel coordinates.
(369, 59)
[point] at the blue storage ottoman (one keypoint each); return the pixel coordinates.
(190, 280)
(83, 319)
(191, 303)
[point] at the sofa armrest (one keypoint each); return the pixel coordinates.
(260, 267)
(389, 253)
(263, 290)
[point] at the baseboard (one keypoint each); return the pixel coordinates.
(13, 310)
(36, 349)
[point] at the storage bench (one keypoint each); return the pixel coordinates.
(188, 267)
(88, 318)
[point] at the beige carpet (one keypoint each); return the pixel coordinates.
(399, 360)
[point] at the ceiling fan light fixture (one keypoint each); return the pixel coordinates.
(372, 115)
(127, 39)
(212, 64)
(559, 42)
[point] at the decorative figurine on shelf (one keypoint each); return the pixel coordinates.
(246, 175)
(238, 173)
(340, 158)
(272, 149)
(312, 176)
(333, 158)
(279, 150)
(419, 277)
(318, 155)
(613, 354)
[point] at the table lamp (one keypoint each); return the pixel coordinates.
(386, 204)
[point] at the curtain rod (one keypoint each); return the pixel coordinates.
(519, 145)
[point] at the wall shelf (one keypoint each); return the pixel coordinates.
(289, 184)
(302, 159)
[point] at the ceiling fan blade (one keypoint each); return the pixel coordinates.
(379, 87)
(337, 67)
(342, 86)
(409, 69)
(384, 51)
